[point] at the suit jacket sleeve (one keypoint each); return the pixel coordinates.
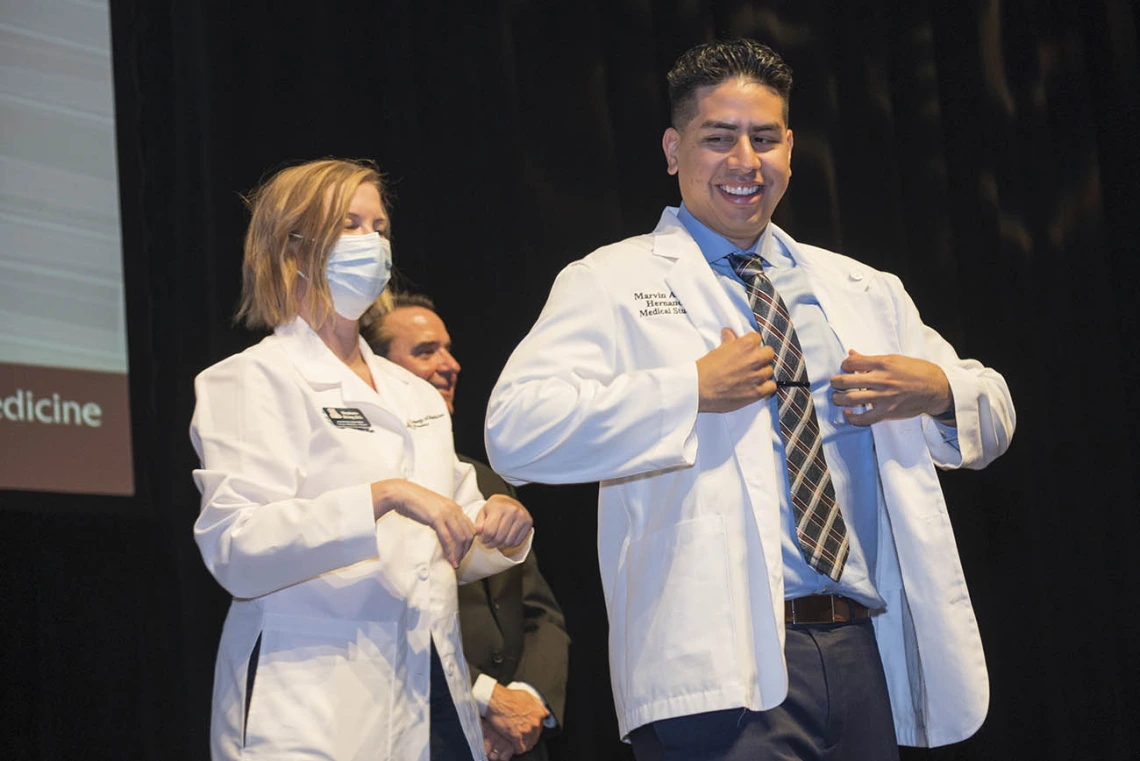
(543, 660)
(544, 664)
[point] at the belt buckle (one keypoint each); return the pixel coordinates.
(828, 614)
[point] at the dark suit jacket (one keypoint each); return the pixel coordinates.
(513, 629)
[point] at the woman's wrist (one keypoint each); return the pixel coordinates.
(384, 497)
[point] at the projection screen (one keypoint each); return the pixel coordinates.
(64, 412)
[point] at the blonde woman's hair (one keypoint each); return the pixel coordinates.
(296, 217)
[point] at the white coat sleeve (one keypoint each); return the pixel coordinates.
(256, 536)
(983, 407)
(480, 562)
(564, 412)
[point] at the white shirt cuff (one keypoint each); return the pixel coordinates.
(482, 690)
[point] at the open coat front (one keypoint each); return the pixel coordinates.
(605, 388)
(345, 607)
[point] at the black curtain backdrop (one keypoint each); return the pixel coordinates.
(985, 151)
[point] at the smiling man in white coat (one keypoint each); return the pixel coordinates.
(766, 419)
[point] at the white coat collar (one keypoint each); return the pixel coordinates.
(840, 285)
(693, 282)
(320, 367)
(835, 280)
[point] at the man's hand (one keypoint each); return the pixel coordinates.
(895, 386)
(736, 373)
(503, 523)
(517, 716)
(497, 747)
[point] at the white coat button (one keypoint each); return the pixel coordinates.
(856, 275)
(424, 572)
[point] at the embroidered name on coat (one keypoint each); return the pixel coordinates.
(653, 303)
(420, 422)
(348, 417)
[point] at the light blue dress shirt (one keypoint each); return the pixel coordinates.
(848, 449)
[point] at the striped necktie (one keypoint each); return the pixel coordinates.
(820, 529)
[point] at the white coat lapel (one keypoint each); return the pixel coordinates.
(710, 309)
(694, 283)
(322, 370)
(393, 385)
(842, 295)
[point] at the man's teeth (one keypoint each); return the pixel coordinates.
(745, 191)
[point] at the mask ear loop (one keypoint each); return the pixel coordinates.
(298, 236)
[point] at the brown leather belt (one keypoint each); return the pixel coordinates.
(823, 609)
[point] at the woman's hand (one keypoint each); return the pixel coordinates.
(443, 515)
(503, 524)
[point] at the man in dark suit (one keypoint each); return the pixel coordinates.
(514, 634)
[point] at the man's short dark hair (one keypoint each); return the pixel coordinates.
(716, 62)
(377, 335)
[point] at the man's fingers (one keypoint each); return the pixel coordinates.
(853, 398)
(855, 381)
(726, 335)
(855, 362)
(869, 417)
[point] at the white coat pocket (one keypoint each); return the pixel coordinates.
(679, 592)
(323, 689)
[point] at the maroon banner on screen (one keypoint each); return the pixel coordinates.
(65, 430)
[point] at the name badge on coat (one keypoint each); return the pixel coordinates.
(348, 417)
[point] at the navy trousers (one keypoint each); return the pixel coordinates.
(447, 740)
(837, 709)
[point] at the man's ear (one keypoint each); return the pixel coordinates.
(669, 142)
(791, 144)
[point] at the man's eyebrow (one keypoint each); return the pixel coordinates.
(712, 124)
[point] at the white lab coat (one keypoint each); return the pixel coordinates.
(605, 388)
(345, 606)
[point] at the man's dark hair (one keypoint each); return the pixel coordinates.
(412, 300)
(374, 330)
(716, 62)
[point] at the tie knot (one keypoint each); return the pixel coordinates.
(747, 266)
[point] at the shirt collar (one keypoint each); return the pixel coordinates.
(715, 246)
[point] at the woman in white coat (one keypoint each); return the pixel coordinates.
(334, 509)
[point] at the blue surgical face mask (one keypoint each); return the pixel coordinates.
(358, 269)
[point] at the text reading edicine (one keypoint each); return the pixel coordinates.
(24, 407)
